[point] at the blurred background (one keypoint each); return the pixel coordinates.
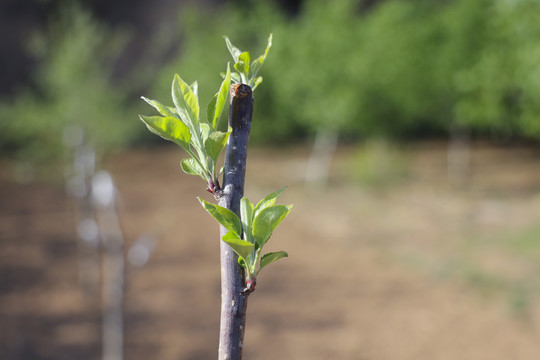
(407, 133)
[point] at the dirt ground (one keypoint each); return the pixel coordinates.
(386, 270)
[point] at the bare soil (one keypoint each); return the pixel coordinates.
(409, 269)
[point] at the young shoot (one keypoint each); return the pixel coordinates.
(248, 234)
(250, 228)
(247, 72)
(182, 125)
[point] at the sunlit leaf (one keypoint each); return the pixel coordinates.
(241, 247)
(271, 257)
(216, 143)
(258, 80)
(267, 220)
(205, 131)
(269, 200)
(243, 63)
(236, 78)
(195, 88)
(185, 99)
(246, 217)
(169, 128)
(173, 110)
(162, 109)
(211, 110)
(235, 52)
(257, 63)
(192, 167)
(224, 216)
(221, 99)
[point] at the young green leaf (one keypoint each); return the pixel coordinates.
(169, 128)
(216, 143)
(257, 63)
(246, 216)
(271, 257)
(258, 80)
(220, 100)
(241, 247)
(192, 167)
(235, 78)
(267, 220)
(242, 65)
(224, 216)
(211, 110)
(235, 52)
(162, 109)
(195, 88)
(173, 111)
(268, 201)
(185, 99)
(182, 114)
(205, 131)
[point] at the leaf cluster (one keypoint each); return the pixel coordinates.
(203, 141)
(182, 125)
(248, 234)
(247, 70)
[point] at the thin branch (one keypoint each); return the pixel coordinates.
(233, 298)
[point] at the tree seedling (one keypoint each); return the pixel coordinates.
(245, 228)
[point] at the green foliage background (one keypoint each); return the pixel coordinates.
(71, 86)
(396, 69)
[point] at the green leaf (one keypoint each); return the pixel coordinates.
(205, 131)
(267, 220)
(241, 247)
(224, 216)
(271, 257)
(169, 128)
(236, 78)
(268, 200)
(216, 143)
(192, 167)
(211, 110)
(257, 63)
(246, 217)
(220, 99)
(258, 80)
(235, 52)
(162, 109)
(238, 67)
(173, 111)
(185, 99)
(195, 88)
(243, 63)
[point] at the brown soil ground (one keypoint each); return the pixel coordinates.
(383, 270)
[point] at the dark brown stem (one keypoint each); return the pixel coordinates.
(233, 298)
